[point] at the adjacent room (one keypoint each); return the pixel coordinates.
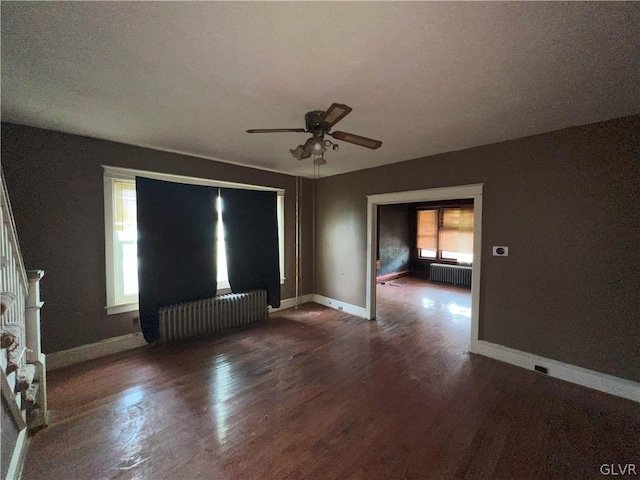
(324, 240)
(424, 262)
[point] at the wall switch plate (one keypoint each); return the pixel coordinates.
(500, 251)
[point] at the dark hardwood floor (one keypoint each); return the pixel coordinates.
(316, 393)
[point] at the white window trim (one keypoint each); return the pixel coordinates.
(118, 173)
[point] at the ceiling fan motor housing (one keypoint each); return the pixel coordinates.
(313, 121)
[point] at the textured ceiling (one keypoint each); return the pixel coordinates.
(424, 78)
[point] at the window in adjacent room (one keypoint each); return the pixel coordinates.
(121, 238)
(427, 233)
(445, 234)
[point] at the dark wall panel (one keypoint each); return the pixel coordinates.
(566, 204)
(395, 241)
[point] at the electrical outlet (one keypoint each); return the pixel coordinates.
(540, 369)
(500, 251)
(340, 308)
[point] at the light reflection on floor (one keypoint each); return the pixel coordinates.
(132, 429)
(459, 310)
(219, 392)
(131, 396)
(428, 303)
(459, 313)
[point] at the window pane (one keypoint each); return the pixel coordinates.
(221, 256)
(125, 257)
(281, 234)
(460, 257)
(124, 206)
(458, 218)
(130, 268)
(427, 253)
(427, 229)
(456, 231)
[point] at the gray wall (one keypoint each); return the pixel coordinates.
(395, 238)
(55, 187)
(565, 202)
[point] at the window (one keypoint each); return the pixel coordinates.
(427, 233)
(125, 264)
(446, 234)
(121, 250)
(221, 254)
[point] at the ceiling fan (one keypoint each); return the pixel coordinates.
(319, 123)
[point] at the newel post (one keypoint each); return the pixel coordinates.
(34, 346)
(32, 320)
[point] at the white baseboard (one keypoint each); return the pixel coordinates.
(291, 302)
(342, 306)
(564, 371)
(94, 350)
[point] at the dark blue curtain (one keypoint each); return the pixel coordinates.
(176, 246)
(250, 221)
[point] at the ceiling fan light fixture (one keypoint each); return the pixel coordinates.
(313, 146)
(318, 147)
(298, 153)
(319, 160)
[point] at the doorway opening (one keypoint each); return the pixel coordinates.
(471, 192)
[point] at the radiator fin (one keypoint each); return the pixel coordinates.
(207, 317)
(455, 274)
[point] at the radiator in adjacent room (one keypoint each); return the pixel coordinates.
(209, 316)
(455, 274)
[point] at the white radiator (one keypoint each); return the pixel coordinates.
(202, 318)
(456, 274)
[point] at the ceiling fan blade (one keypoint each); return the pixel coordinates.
(357, 140)
(275, 130)
(335, 113)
